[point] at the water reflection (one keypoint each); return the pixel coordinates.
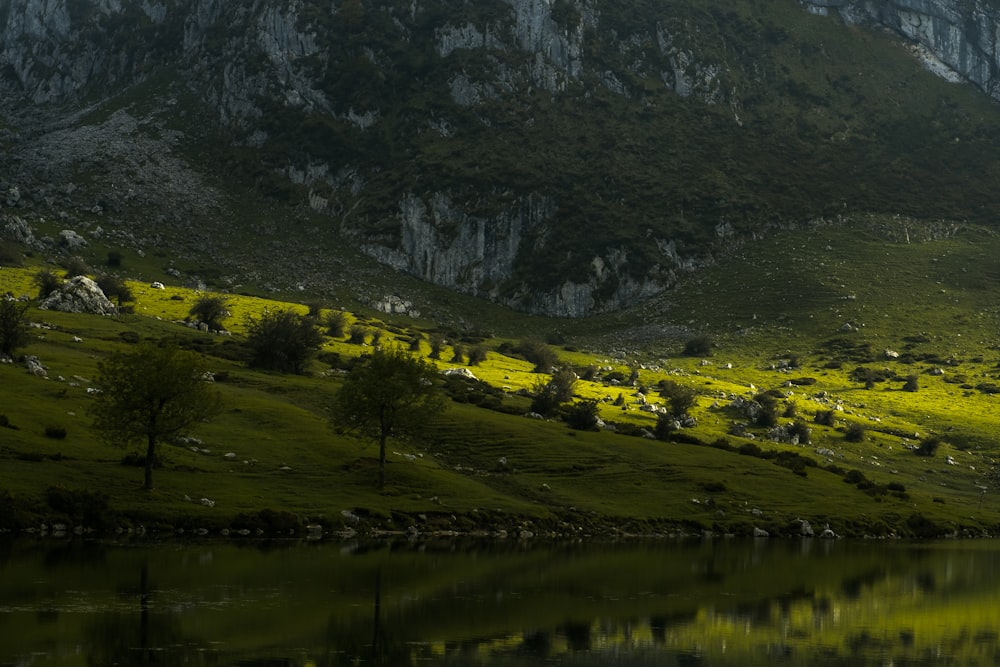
(316, 605)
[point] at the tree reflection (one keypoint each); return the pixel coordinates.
(123, 638)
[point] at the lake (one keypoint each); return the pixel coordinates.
(700, 602)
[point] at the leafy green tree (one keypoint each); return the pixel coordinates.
(150, 394)
(390, 394)
(538, 353)
(211, 310)
(550, 395)
(681, 398)
(115, 288)
(282, 341)
(13, 328)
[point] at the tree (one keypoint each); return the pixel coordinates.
(681, 398)
(550, 395)
(150, 394)
(211, 310)
(13, 329)
(389, 394)
(336, 324)
(115, 288)
(282, 341)
(47, 282)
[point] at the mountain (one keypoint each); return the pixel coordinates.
(561, 157)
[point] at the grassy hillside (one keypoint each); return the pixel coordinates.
(776, 313)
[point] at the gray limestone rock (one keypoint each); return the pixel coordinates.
(79, 295)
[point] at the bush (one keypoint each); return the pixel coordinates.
(211, 310)
(680, 398)
(665, 427)
(582, 416)
(824, 417)
(358, 335)
(855, 432)
(336, 324)
(802, 430)
(458, 354)
(749, 449)
(74, 266)
(539, 354)
(115, 288)
(114, 259)
(282, 341)
(437, 342)
(55, 432)
(13, 325)
(699, 346)
(477, 355)
(130, 337)
(912, 383)
(928, 446)
(47, 282)
(855, 477)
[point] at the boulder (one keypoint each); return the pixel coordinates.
(35, 367)
(79, 295)
(70, 239)
(464, 372)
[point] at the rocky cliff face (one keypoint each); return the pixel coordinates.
(559, 156)
(961, 36)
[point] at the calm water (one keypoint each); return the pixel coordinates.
(692, 603)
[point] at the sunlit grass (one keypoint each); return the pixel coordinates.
(779, 300)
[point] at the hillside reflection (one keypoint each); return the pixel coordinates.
(700, 603)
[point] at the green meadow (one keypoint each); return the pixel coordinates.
(830, 319)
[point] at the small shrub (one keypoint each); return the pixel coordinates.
(458, 354)
(665, 427)
(415, 342)
(377, 337)
(47, 282)
(928, 446)
(130, 337)
(540, 354)
(699, 346)
(336, 324)
(824, 417)
(211, 310)
(855, 432)
(477, 355)
(358, 335)
(854, 477)
(896, 486)
(802, 430)
(4, 421)
(75, 266)
(912, 383)
(681, 398)
(55, 432)
(749, 449)
(437, 342)
(114, 259)
(582, 416)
